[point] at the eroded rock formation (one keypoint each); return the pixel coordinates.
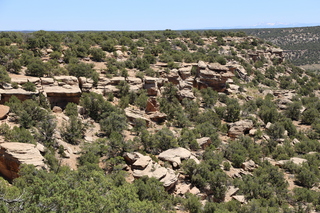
(13, 154)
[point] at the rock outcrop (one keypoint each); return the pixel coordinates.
(13, 154)
(144, 166)
(21, 94)
(213, 75)
(175, 155)
(240, 127)
(63, 90)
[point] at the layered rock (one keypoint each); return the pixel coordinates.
(21, 94)
(213, 75)
(62, 95)
(13, 154)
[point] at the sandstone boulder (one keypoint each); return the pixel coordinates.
(295, 160)
(157, 117)
(169, 180)
(202, 65)
(185, 93)
(134, 115)
(240, 127)
(231, 190)
(13, 154)
(185, 72)
(249, 165)
(141, 163)
(144, 166)
(204, 142)
(218, 67)
(175, 155)
(4, 111)
(240, 198)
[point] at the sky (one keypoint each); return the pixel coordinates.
(73, 15)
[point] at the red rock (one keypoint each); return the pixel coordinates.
(4, 110)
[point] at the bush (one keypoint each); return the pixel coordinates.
(37, 68)
(232, 110)
(97, 54)
(309, 116)
(29, 86)
(73, 131)
(71, 109)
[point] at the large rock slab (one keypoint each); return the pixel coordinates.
(62, 95)
(175, 155)
(21, 94)
(13, 154)
(240, 127)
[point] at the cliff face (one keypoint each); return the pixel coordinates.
(13, 154)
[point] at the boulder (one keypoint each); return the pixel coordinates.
(170, 180)
(41, 148)
(183, 188)
(240, 127)
(152, 89)
(204, 142)
(4, 111)
(157, 117)
(57, 109)
(218, 67)
(134, 81)
(231, 190)
(13, 154)
(240, 198)
(185, 72)
(249, 165)
(141, 162)
(185, 93)
(295, 160)
(116, 80)
(187, 84)
(202, 65)
(133, 116)
(47, 81)
(173, 76)
(144, 166)
(175, 155)
(131, 157)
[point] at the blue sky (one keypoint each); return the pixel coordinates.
(154, 15)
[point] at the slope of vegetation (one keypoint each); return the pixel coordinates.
(280, 100)
(301, 44)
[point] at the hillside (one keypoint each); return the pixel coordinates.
(301, 44)
(159, 121)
